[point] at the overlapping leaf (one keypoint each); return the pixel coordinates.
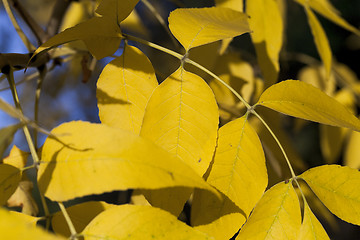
(267, 34)
(198, 26)
(80, 215)
(302, 100)
(321, 41)
(124, 88)
(239, 169)
(139, 222)
(9, 180)
(311, 228)
(13, 226)
(97, 158)
(6, 137)
(338, 188)
(352, 151)
(276, 216)
(116, 9)
(325, 8)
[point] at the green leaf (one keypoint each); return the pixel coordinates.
(95, 158)
(198, 26)
(276, 216)
(321, 41)
(116, 9)
(266, 33)
(311, 228)
(124, 88)
(302, 100)
(325, 8)
(81, 215)
(15, 226)
(101, 35)
(338, 188)
(7, 136)
(239, 165)
(9, 180)
(139, 222)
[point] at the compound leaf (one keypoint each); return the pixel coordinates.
(198, 26)
(239, 164)
(94, 158)
(276, 216)
(124, 88)
(302, 100)
(139, 222)
(338, 188)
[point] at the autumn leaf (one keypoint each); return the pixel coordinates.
(16, 158)
(116, 9)
(276, 216)
(119, 161)
(302, 100)
(23, 198)
(6, 137)
(198, 26)
(124, 88)
(9, 180)
(139, 222)
(352, 151)
(338, 188)
(239, 168)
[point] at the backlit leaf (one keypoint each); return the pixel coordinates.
(80, 215)
(352, 151)
(124, 88)
(13, 226)
(16, 158)
(139, 222)
(338, 188)
(9, 180)
(316, 76)
(239, 169)
(311, 228)
(302, 100)
(276, 216)
(182, 117)
(101, 35)
(98, 158)
(325, 8)
(266, 33)
(198, 26)
(116, 9)
(321, 41)
(6, 137)
(23, 198)
(218, 217)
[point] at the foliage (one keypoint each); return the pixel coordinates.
(216, 145)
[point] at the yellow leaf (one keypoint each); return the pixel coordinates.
(97, 158)
(16, 158)
(302, 100)
(13, 226)
(101, 35)
(321, 41)
(218, 217)
(6, 137)
(137, 198)
(325, 8)
(267, 35)
(311, 228)
(116, 9)
(134, 24)
(26, 218)
(124, 88)
(352, 151)
(182, 117)
(80, 215)
(9, 180)
(198, 26)
(239, 169)
(276, 216)
(22, 197)
(338, 188)
(139, 222)
(316, 76)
